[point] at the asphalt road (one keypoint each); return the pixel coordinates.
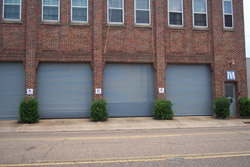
(215, 147)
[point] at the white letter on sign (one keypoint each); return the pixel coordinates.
(230, 75)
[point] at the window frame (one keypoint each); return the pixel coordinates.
(20, 14)
(232, 14)
(182, 13)
(115, 8)
(82, 7)
(149, 10)
(200, 13)
(58, 20)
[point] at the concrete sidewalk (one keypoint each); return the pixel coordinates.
(69, 125)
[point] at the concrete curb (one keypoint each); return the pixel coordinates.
(135, 123)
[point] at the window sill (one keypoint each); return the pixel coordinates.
(116, 25)
(79, 24)
(176, 27)
(200, 29)
(229, 29)
(50, 23)
(11, 22)
(142, 26)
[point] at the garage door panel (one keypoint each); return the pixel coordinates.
(12, 88)
(189, 87)
(64, 90)
(130, 109)
(129, 89)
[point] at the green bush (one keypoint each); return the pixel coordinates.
(98, 110)
(244, 106)
(222, 107)
(163, 110)
(28, 111)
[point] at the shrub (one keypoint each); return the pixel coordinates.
(163, 110)
(28, 111)
(222, 107)
(244, 106)
(98, 110)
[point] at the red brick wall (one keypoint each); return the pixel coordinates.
(98, 43)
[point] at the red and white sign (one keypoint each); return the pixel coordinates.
(29, 91)
(98, 91)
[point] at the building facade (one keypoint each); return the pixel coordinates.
(67, 53)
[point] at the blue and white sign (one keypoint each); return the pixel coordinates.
(230, 75)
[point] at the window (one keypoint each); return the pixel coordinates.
(12, 9)
(79, 10)
(175, 12)
(142, 12)
(50, 10)
(200, 13)
(115, 11)
(228, 13)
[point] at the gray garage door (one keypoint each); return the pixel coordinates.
(64, 90)
(189, 87)
(129, 89)
(12, 88)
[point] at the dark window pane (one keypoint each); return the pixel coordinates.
(50, 13)
(11, 11)
(142, 17)
(200, 20)
(115, 15)
(228, 21)
(229, 91)
(79, 14)
(175, 18)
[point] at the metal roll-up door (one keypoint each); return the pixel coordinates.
(12, 89)
(129, 89)
(64, 90)
(189, 87)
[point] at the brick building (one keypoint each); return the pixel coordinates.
(67, 53)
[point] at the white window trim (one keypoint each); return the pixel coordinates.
(115, 8)
(149, 10)
(52, 6)
(173, 25)
(12, 4)
(228, 14)
(199, 13)
(80, 7)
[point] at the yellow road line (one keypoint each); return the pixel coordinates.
(218, 156)
(78, 163)
(90, 138)
(117, 137)
(137, 159)
(148, 157)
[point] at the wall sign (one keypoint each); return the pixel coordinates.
(98, 91)
(161, 90)
(231, 75)
(29, 91)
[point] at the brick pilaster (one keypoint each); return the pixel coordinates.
(30, 62)
(160, 65)
(98, 62)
